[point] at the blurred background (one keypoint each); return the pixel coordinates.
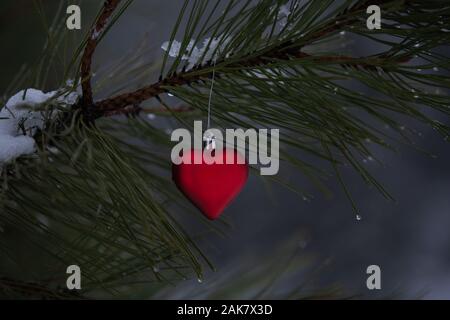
(408, 239)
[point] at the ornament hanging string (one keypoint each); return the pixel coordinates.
(210, 139)
(210, 94)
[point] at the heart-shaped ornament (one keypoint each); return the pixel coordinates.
(210, 186)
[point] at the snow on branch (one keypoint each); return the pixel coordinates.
(194, 54)
(19, 120)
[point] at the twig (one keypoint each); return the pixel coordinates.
(177, 109)
(86, 60)
(135, 110)
(145, 93)
(357, 63)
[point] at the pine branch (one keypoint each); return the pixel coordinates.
(120, 104)
(104, 195)
(285, 51)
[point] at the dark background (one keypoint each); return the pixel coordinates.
(408, 239)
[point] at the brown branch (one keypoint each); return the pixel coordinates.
(145, 93)
(133, 110)
(372, 63)
(126, 103)
(284, 51)
(178, 109)
(86, 60)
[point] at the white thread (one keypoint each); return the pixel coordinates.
(210, 139)
(210, 95)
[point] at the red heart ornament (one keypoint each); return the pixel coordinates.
(210, 187)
